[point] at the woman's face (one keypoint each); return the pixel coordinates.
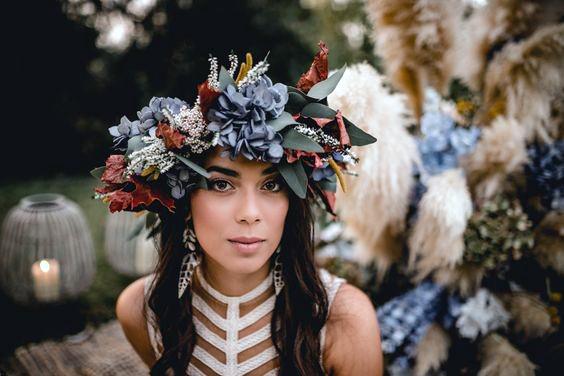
(239, 220)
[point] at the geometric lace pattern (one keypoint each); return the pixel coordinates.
(233, 332)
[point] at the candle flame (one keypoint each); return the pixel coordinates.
(44, 266)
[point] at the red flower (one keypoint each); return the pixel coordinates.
(145, 195)
(343, 135)
(318, 71)
(115, 166)
(119, 200)
(207, 97)
(173, 139)
(313, 158)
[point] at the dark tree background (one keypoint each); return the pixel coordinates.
(65, 92)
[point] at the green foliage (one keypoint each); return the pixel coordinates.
(498, 233)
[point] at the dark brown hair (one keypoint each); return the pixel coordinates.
(301, 308)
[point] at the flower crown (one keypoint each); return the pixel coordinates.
(246, 114)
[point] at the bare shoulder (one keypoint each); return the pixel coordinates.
(352, 344)
(129, 312)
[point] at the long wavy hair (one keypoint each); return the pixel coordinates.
(301, 309)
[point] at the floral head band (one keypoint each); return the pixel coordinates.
(154, 163)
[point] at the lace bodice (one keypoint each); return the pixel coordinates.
(233, 333)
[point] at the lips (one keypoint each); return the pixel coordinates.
(246, 240)
(246, 245)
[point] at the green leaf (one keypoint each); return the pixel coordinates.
(281, 121)
(297, 141)
(292, 89)
(225, 79)
(295, 103)
(318, 110)
(323, 88)
(295, 176)
(357, 136)
(137, 228)
(98, 172)
(200, 170)
(134, 144)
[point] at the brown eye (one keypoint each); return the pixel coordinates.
(220, 185)
(272, 185)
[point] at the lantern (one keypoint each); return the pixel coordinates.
(46, 250)
(129, 254)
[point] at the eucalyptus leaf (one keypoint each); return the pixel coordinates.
(357, 136)
(200, 170)
(323, 88)
(295, 176)
(137, 228)
(225, 79)
(297, 141)
(134, 144)
(318, 110)
(281, 121)
(295, 103)
(98, 172)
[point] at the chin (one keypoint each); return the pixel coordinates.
(248, 265)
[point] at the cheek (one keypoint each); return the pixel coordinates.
(209, 217)
(275, 216)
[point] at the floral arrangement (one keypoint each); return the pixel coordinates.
(156, 159)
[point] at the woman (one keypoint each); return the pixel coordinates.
(236, 290)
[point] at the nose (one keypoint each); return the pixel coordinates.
(249, 210)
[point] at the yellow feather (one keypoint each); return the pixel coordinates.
(249, 59)
(339, 174)
(149, 170)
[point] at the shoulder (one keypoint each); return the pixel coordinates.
(130, 314)
(353, 335)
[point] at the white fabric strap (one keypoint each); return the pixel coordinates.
(208, 335)
(193, 371)
(254, 338)
(208, 312)
(257, 360)
(257, 291)
(209, 360)
(257, 313)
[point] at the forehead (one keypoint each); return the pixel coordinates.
(240, 163)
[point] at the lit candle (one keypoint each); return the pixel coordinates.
(46, 279)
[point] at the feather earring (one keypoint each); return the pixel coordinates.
(278, 280)
(191, 260)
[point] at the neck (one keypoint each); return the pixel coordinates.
(231, 283)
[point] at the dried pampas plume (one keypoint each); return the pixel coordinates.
(437, 237)
(464, 279)
(375, 204)
(549, 242)
(525, 80)
(499, 358)
(413, 36)
(530, 316)
(494, 23)
(500, 151)
(432, 350)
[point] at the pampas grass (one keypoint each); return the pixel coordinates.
(376, 202)
(500, 151)
(498, 21)
(437, 239)
(549, 242)
(412, 36)
(432, 350)
(499, 358)
(530, 316)
(527, 78)
(464, 279)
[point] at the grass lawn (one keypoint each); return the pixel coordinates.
(21, 325)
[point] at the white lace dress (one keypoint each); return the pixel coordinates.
(233, 333)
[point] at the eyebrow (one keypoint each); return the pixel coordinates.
(235, 174)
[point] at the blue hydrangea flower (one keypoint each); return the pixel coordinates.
(545, 173)
(179, 180)
(240, 119)
(442, 142)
